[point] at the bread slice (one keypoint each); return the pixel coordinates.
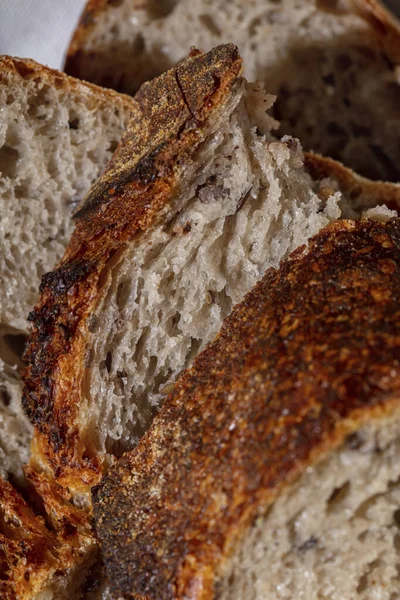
(273, 468)
(199, 200)
(332, 63)
(56, 136)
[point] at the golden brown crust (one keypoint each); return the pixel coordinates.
(385, 24)
(139, 183)
(310, 354)
(36, 551)
(352, 185)
(30, 69)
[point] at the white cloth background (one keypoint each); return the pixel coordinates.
(41, 29)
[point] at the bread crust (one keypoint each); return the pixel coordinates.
(41, 551)
(351, 184)
(310, 355)
(136, 187)
(386, 26)
(27, 69)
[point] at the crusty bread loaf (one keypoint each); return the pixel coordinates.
(332, 63)
(198, 201)
(273, 469)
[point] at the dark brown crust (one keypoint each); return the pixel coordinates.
(35, 551)
(310, 354)
(139, 183)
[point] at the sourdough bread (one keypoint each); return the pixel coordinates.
(333, 64)
(199, 200)
(56, 136)
(273, 469)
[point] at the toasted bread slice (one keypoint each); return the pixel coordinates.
(273, 468)
(199, 200)
(332, 63)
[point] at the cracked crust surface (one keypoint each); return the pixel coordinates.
(138, 184)
(292, 373)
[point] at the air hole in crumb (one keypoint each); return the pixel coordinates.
(363, 583)
(14, 347)
(335, 129)
(123, 293)
(337, 496)
(138, 44)
(329, 79)
(5, 397)
(355, 440)
(343, 62)
(113, 146)
(73, 123)
(8, 161)
(108, 362)
(332, 6)
(396, 517)
(10, 99)
(159, 10)
(210, 24)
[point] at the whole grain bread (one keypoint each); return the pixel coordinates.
(273, 468)
(333, 64)
(198, 201)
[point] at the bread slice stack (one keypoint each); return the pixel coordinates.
(333, 64)
(278, 444)
(198, 202)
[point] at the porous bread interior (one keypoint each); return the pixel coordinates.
(54, 142)
(242, 206)
(15, 429)
(337, 92)
(333, 534)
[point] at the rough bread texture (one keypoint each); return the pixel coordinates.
(47, 544)
(332, 63)
(56, 136)
(15, 429)
(273, 470)
(136, 298)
